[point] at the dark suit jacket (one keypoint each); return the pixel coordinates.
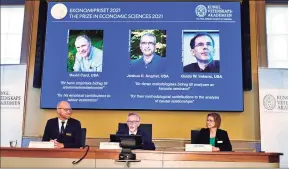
(213, 67)
(222, 139)
(72, 133)
(147, 144)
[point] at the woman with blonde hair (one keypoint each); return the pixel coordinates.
(213, 135)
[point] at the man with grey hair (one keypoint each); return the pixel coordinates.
(149, 62)
(88, 58)
(132, 128)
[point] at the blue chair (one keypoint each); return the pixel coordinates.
(145, 127)
(26, 141)
(194, 136)
(83, 137)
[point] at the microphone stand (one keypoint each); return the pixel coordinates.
(75, 162)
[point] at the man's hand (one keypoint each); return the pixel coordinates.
(57, 144)
(215, 148)
(53, 140)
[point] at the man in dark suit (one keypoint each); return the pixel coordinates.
(149, 62)
(203, 49)
(63, 130)
(133, 122)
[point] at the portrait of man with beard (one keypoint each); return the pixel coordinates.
(149, 61)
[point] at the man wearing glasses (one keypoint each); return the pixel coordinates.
(202, 48)
(63, 130)
(133, 122)
(88, 58)
(149, 62)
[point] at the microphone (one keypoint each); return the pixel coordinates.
(75, 162)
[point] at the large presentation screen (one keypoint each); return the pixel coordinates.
(143, 56)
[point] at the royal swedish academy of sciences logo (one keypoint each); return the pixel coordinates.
(269, 102)
(201, 11)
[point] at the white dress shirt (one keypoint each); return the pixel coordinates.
(60, 124)
(132, 133)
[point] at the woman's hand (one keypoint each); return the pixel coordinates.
(215, 148)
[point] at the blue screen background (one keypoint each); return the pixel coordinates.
(118, 91)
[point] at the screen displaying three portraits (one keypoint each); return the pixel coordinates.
(143, 55)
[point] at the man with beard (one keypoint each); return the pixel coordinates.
(88, 58)
(202, 48)
(149, 62)
(132, 128)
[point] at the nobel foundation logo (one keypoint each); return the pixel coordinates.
(59, 11)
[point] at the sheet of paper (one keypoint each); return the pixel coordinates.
(109, 145)
(198, 147)
(41, 144)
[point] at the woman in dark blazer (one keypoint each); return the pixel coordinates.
(218, 138)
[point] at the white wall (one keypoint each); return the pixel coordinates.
(12, 18)
(277, 32)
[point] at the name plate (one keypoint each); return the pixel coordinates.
(41, 144)
(198, 147)
(109, 145)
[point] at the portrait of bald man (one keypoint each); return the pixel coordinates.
(63, 130)
(88, 58)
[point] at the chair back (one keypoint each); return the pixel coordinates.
(26, 140)
(147, 128)
(83, 137)
(194, 135)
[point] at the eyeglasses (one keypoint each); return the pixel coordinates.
(147, 43)
(132, 122)
(66, 109)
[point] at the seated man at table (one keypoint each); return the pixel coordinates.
(63, 130)
(133, 122)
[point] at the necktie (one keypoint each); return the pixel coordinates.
(62, 128)
(132, 134)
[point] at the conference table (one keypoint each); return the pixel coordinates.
(101, 158)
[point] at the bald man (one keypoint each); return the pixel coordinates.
(88, 58)
(63, 130)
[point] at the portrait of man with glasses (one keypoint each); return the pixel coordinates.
(148, 56)
(63, 131)
(202, 49)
